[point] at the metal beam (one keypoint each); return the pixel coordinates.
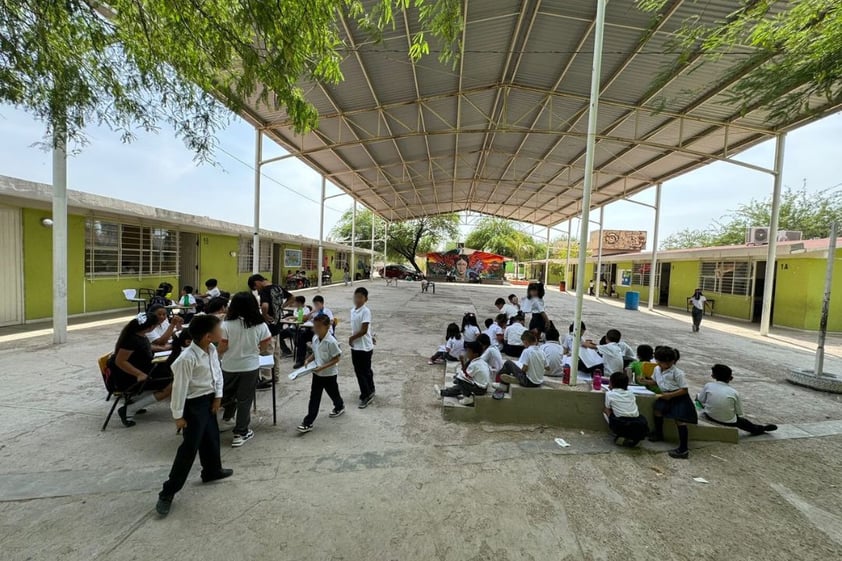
(771, 254)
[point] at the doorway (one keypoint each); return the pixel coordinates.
(571, 285)
(664, 287)
(188, 272)
(759, 289)
(11, 273)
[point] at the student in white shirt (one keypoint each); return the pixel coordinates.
(325, 355)
(211, 289)
(470, 329)
(553, 352)
(513, 345)
(362, 346)
(506, 308)
(528, 371)
(624, 419)
(534, 305)
(187, 300)
(161, 337)
(722, 403)
(491, 329)
(698, 300)
(305, 334)
(245, 336)
(674, 402)
(472, 380)
(615, 353)
(568, 339)
(453, 346)
(196, 398)
(490, 354)
(497, 331)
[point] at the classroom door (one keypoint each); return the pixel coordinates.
(11, 273)
(759, 289)
(664, 289)
(189, 265)
(571, 283)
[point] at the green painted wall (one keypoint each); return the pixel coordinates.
(799, 290)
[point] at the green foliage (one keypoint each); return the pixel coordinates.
(791, 54)
(131, 64)
(810, 213)
(405, 239)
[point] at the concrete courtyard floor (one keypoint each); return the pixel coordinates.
(396, 482)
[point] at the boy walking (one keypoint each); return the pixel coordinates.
(362, 346)
(196, 397)
(326, 355)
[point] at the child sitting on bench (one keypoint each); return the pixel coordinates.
(722, 403)
(453, 347)
(471, 380)
(528, 371)
(513, 342)
(624, 419)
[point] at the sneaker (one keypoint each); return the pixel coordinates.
(509, 379)
(240, 439)
(302, 428)
(162, 507)
(770, 428)
(365, 402)
(223, 474)
(437, 389)
(500, 387)
(655, 437)
(469, 401)
(336, 413)
(264, 385)
(679, 454)
(227, 424)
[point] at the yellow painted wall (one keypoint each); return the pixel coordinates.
(799, 291)
(684, 279)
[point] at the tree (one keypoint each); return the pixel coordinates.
(133, 64)
(809, 213)
(795, 53)
(493, 235)
(405, 239)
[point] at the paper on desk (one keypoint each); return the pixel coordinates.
(161, 354)
(267, 361)
(302, 371)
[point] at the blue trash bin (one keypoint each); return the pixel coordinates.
(632, 300)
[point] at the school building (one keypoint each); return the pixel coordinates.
(115, 245)
(732, 278)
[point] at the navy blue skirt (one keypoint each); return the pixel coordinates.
(678, 408)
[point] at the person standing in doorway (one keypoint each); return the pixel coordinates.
(698, 300)
(362, 346)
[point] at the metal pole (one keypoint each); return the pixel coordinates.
(371, 257)
(769, 282)
(321, 268)
(547, 262)
(567, 257)
(59, 236)
(385, 242)
(818, 369)
(255, 244)
(654, 265)
(596, 70)
(599, 254)
(353, 267)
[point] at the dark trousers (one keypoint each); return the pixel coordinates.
(462, 387)
(513, 369)
(238, 396)
(742, 423)
(284, 334)
(362, 368)
(697, 317)
(632, 428)
(305, 335)
(512, 350)
(329, 384)
(444, 355)
(200, 435)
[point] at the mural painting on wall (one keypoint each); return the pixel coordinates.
(461, 266)
(620, 240)
(292, 258)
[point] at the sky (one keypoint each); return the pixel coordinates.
(158, 170)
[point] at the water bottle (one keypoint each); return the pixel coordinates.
(565, 376)
(597, 380)
(300, 315)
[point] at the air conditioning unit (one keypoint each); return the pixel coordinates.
(760, 236)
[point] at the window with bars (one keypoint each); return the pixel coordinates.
(725, 277)
(310, 258)
(113, 249)
(340, 260)
(244, 255)
(641, 274)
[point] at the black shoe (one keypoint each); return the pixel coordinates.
(655, 437)
(302, 428)
(365, 402)
(336, 412)
(679, 454)
(630, 443)
(124, 418)
(224, 473)
(264, 385)
(162, 507)
(770, 428)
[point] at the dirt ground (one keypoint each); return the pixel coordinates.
(396, 482)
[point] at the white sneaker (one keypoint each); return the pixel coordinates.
(227, 424)
(469, 400)
(438, 391)
(500, 387)
(240, 439)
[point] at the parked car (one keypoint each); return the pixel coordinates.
(399, 272)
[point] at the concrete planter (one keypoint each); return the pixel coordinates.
(825, 383)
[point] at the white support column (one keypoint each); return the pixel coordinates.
(59, 238)
(371, 257)
(596, 71)
(771, 255)
(255, 244)
(654, 267)
(353, 267)
(598, 286)
(567, 257)
(321, 269)
(547, 262)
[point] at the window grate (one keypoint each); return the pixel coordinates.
(725, 277)
(113, 249)
(244, 255)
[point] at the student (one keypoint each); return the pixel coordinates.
(674, 402)
(197, 394)
(528, 371)
(553, 352)
(472, 380)
(591, 288)
(305, 334)
(496, 331)
(161, 336)
(218, 306)
(326, 355)
(643, 367)
(273, 299)
(722, 403)
(614, 352)
(211, 289)
(245, 336)
(490, 354)
(568, 339)
(453, 346)
(362, 346)
(187, 299)
(513, 337)
(506, 308)
(698, 300)
(470, 329)
(624, 419)
(534, 304)
(131, 363)
(513, 300)
(286, 331)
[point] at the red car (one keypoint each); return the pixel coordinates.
(399, 272)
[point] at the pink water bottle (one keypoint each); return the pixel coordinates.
(565, 376)
(597, 380)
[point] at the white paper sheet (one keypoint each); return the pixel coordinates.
(302, 371)
(267, 361)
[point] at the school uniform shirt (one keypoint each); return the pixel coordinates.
(535, 362)
(324, 351)
(214, 292)
(159, 331)
(470, 333)
(554, 354)
(360, 316)
(533, 306)
(568, 342)
(513, 334)
(243, 354)
(195, 373)
(492, 333)
(721, 402)
(191, 300)
(622, 403)
(493, 358)
(323, 312)
(671, 380)
(699, 304)
(455, 347)
(613, 355)
(510, 310)
(477, 372)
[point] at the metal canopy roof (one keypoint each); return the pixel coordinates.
(504, 132)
